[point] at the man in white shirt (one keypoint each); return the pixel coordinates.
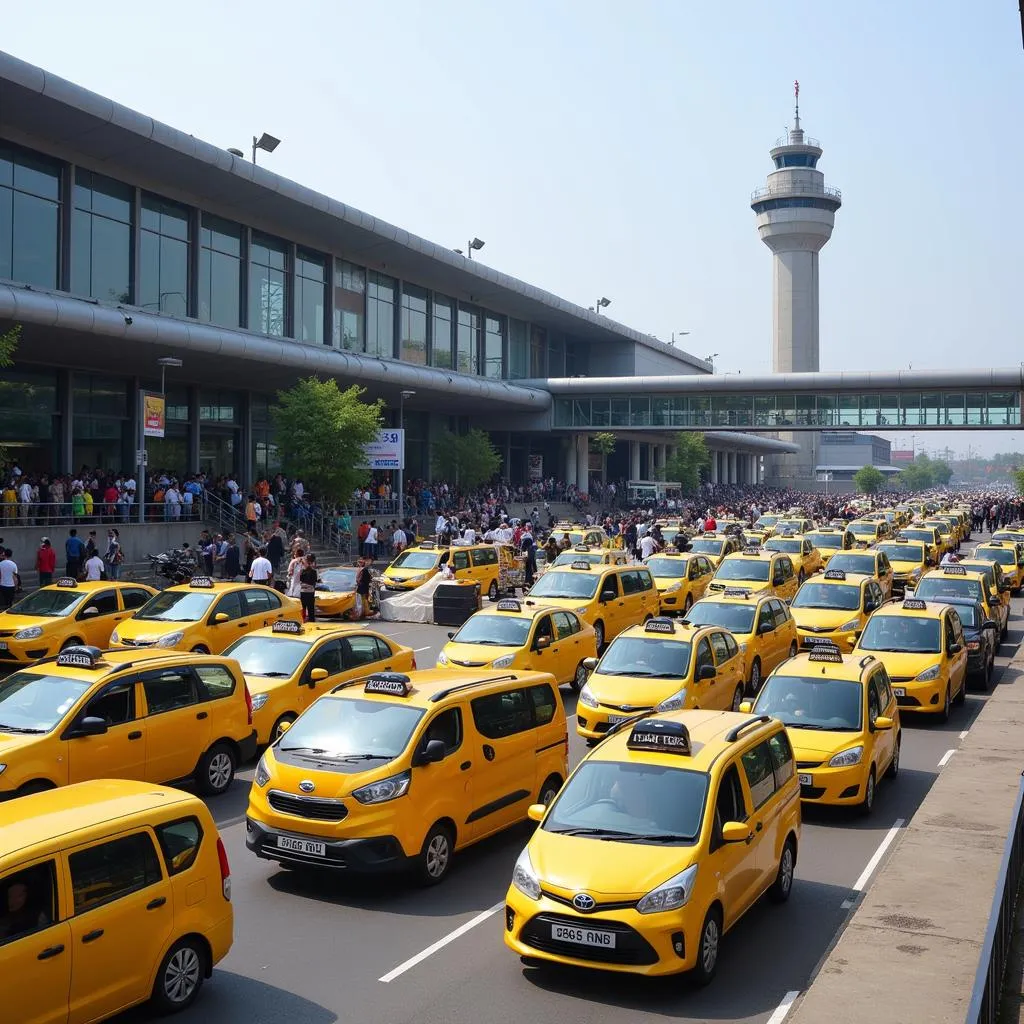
(370, 544)
(261, 571)
(172, 502)
(232, 487)
(8, 579)
(648, 545)
(94, 568)
(440, 524)
(24, 498)
(398, 540)
(469, 536)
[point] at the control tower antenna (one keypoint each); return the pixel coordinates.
(796, 93)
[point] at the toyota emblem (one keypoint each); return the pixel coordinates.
(307, 786)
(584, 902)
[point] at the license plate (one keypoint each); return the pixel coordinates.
(583, 936)
(302, 846)
(806, 780)
(900, 691)
(615, 719)
(818, 641)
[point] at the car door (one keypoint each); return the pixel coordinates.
(759, 775)
(118, 753)
(650, 603)
(35, 952)
(703, 689)
(220, 634)
(132, 599)
(734, 865)
(122, 916)
(885, 573)
(98, 617)
(884, 739)
(565, 647)
(611, 605)
(177, 724)
(958, 657)
(329, 657)
(363, 655)
(460, 565)
(446, 788)
(262, 606)
(728, 674)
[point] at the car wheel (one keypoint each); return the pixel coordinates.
(894, 765)
(599, 635)
(180, 976)
(868, 803)
(688, 603)
(580, 679)
(200, 649)
(549, 790)
(435, 857)
(492, 591)
(755, 676)
(944, 714)
(275, 733)
(707, 947)
(793, 649)
(961, 694)
(216, 770)
(737, 698)
(783, 884)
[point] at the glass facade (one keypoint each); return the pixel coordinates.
(29, 422)
(310, 289)
(443, 325)
(468, 340)
(380, 315)
(349, 306)
(102, 423)
(414, 324)
(518, 349)
(163, 257)
(29, 217)
(538, 351)
(494, 347)
(220, 272)
(101, 238)
(268, 285)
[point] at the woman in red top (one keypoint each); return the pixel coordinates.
(46, 562)
(110, 501)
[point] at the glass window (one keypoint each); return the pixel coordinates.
(115, 706)
(446, 727)
(414, 325)
(731, 804)
(230, 605)
(380, 315)
(179, 841)
(720, 647)
(349, 306)
(556, 355)
(544, 703)
(134, 597)
(441, 349)
(328, 657)
(163, 256)
(268, 283)
(216, 680)
(260, 601)
(310, 282)
(220, 272)
(518, 349)
(538, 351)
(105, 604)
(360, 650)
(782, 758)
(503, 714)
(101, 238)
(29, 217)
(494, 344)
(113, 870)
(27, 901)
(757, 766)
(169, 690)
(468, 341)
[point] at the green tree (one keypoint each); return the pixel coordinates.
(868, 479)
(322, 434)
(468, 460)
(691, 455)
(1018, 479)
(604, 442)
(941, 473)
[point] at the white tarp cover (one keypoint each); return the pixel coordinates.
(413, 606)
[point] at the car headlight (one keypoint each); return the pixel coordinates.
(3, 768)
(170, 639)
(114, 638)
(670, 895)
(258, 700)
(29, 633)
(442, 658)
(852, 624)
(504, 661)
(847, 758)
(673, 703)
(929, 673)
(386, 789)
(672, 588)
(742, 647)
(587, 698)
(524, 878)
(262, 776)
(973, 645)
(581, 611)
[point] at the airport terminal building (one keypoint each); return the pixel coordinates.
(123, 241)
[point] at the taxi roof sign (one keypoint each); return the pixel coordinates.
(914, 604)
(954, 570)
(286, 626)
(752, 551)
(80, 656)
(834, 574)
(580, 564)
(659, 624)
(509, 604)
(582, 549)
(426, 545)
(68, 582)
(660, 736)
(202, 582)
(393, 683)
(736, 592)
(828, 653)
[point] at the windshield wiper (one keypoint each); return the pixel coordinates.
(659, 837)
(600, 833)
(266, 675)
(19, 729)
(807, 725)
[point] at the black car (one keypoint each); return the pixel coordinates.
(981, 636)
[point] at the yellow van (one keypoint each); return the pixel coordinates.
(403, 770)
(115, 893)
(474, 562)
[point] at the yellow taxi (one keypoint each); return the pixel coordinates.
(289, 664)
(1011, 534)
(595, 556)
(523, 638)
(662, 665)
(335, 595)
(760, 623)
(90, 714)
(579, 536)
(997, 585)
(922, 646)
(1008, 554)
(794, 524)
(203, 616)
(402, 771)
(671, 531)
(866, 563)
(715, 547)
(66, 614)
(948, 538)
(843, 721)
(967, 582)
(833, 609)
(478, 563)
(927, 535)
(662, 838)
(868, 532)
(956, 525)
(908, 560)
(755, 538)
(610, 598)
(806, 557)
(828, 540)
(755, 569)
(138, 867)
(681, 578)
(767, 523)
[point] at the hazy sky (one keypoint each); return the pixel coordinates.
(605, 148)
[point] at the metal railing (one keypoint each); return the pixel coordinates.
(995, 947)
(812, 191)
(783, 140)
(45, 514)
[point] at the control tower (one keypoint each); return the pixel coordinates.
(796, 212)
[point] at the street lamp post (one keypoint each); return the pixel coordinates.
(711, 359)
(474, 243)
(140, 483)
(601, 303)
(402, 396)
(265, 142)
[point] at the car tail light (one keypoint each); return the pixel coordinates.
(414, 662)
(248, 702)
(225, 869)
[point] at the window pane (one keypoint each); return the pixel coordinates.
(468, 341)
(179, 841)
(34, 241)
(112, 870)
(518, 350)
(163, 257)
(441, 353)
(494, 344)
(309, 297)
(349, 306)
(380, 315)
(220, 272)
(414, 325)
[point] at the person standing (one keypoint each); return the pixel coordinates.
(233, 559)
(362, 608)
(308, 578)
(294, 568)
(46, 562)
(113, 556)
(94, 568)
(261, 571)
(9, 579)
(275, 547)
(74, 549)
(371, 541)
(529, 550)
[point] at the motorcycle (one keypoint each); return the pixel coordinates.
(176, 565)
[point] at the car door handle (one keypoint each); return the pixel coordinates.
(466, 765)
(137, 735)
(202, 714)
(93, 935)
(50, 952)
(758, 827)
(157, 903)
(118, 618)
(488, 752)
(243, 625)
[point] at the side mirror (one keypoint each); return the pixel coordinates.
(706, 672)
(451, 635)
(283, 727)
(536, 812)
(91, 610)
(735, 832)
(590, 664)
(870, 606)
(432, 753)
(542, 643)
(955, 648)
(89, 726)
(881, 723)
(765, 627)
(607, 595)
(746, 706)
(220, 617)
(857, 633)
(318, 675)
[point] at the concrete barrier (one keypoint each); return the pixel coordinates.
(917, 934)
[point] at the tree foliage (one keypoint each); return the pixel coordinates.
(691, 455)
(467, 460)
(924, 473)
(322, 433)
(868, 479)
(1018, 479)
(603, 442)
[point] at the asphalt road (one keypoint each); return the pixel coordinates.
(312, 950)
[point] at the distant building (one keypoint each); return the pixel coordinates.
(842, 454)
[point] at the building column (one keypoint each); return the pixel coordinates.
(193, 430)
(730, 471)
(243, 460)
(570, 462)
(583, 463)
(714, 466)
(752, 468)
(634, 460)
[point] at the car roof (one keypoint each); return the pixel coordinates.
(114, 660)
(526, 611)
(852, 667)
(750, 556)
(311, 632)
(89, 585)
(748, 598)
(934, 608)
(682, 629)
(218, 587)
(430, 687)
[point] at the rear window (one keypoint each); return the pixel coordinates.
(485, 556)
(179, 843)
(217, 679)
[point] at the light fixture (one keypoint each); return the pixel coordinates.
(235, 151)
(265, 142)
(602, 303)
(473, 243)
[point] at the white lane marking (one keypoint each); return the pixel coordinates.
(783, 1008)
(846, 904)
(884, 845)
(418, 650)
(945, 758)
(441, 943)
(963, 735)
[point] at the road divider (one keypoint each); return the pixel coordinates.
(945, 758)
(876, 858)
(782, 1010)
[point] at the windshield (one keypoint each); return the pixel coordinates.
(568, 557)
(903, 552)
(268, 655)
(706, 547)
(833, 596)
(337, 581)
(343, 727)
(949, 586)
(902, 633)
(969, 617)
(566, 583)
(928, 536)
(863, 529)
(848, 562)
(665, 568)
(737, 618)
(496, 630)
(812, 702)
(940, 525)
(645, 656)
(30, 702)
(177, 606)
(789, 546)
(53, 603)
(1004, 556)
(613, 800)
(826, 540)
(767, 521)
(743, 568)
(1008, 535)
(415, 560)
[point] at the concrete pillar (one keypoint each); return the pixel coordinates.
(583, 462)
(752, 468)
(730, 477)
(634, 460)
(570, 462)
(193, 429)
(714, 466)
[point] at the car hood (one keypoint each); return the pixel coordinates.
(401, 573)
(142, 629)
(902, 665)
(902, 567)
(11, 620)
(632, 691)
(476, 655)
(11, 743)
(822, 618)
(811, 745)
